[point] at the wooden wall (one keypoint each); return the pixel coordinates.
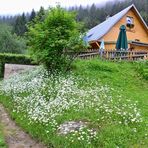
(138, 32)
(134, 47)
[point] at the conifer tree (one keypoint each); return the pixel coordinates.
(41, 14)
(32, 15)
(20, 25)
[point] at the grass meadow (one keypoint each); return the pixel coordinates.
(2, 141)
(111, 97)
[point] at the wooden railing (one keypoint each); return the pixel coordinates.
(114, 55)
(89, 53)
(125, 55)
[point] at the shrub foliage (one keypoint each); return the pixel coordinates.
(143, 69)
(51, 40)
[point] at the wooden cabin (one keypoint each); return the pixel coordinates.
(136, 30)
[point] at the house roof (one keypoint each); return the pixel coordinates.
(100, 30)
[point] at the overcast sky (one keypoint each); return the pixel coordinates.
(12, 7)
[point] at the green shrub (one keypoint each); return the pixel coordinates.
(145, 73)
(143, 69)
(51, 41)
(13, 59)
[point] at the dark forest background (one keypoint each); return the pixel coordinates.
(13, 28)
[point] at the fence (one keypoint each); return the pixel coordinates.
(114, 55)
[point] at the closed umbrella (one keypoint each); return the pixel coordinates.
(102, 47)
(122, 39)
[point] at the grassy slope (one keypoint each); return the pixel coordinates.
(120, 76)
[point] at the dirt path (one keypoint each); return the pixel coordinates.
(15, 137)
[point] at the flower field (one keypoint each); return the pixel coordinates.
(41, 102)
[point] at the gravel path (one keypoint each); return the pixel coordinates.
(14, 136)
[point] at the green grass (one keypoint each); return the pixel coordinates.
(2, 141)
(126, 79)
(119, 75)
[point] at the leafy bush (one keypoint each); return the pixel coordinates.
(145, 73)
(13, 59)
(51, 40)
(143, 69)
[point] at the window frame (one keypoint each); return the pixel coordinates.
(130, 25)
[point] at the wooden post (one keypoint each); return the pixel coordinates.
(107, 54)
(98, 45)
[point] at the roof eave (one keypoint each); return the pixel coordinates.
(116, 22)
(144, 23)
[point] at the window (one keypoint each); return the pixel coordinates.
(129, 22)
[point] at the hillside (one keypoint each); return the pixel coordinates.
(98, 104)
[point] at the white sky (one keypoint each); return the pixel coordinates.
(19, 6)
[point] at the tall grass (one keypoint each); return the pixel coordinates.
(142, 68)
(2, 141)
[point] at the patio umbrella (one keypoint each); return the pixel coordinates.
(102, 47)
(122, 39)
